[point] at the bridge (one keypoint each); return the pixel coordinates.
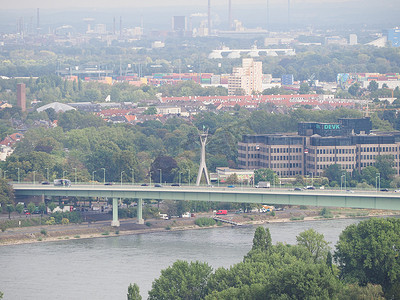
(330, 198)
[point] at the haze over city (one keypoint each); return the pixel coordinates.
(157, 14)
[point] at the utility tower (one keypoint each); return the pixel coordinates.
(203, 166)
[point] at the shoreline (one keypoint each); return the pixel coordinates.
(18, 236)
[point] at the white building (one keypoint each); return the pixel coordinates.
(248, 78)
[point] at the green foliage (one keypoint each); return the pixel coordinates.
(326, 213)
(52, 206)
(265, 175)
(133, 292)
(6, 193)
(204, 221)
(182, 280)
(10, 208)
(262, 239)
(368, 252)
(356, 292)
(43, 231)
(31, 207)
(315, 243)
(163, 169)
(19, 208)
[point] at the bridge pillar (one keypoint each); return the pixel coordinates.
(139, 211)
(115, 222)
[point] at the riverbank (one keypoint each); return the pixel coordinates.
(102, 229)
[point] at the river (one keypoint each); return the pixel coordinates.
(103, 268)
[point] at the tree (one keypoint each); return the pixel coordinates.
(133, 292)
(304, 88)
(182, 280)
(373, 86)
(10, 208)
(384, 164)
(368, 252)
(52, 206)
(333, 172)
(315, 243)
(152, 110)
(19, 208)
(164, 168)
(31, 207)
(368, 174)
(6, 192)
(262, 239)
(232, 179)
(355, 89)
(42, 208)
(265, 175)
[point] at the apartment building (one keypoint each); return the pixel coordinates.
(349, 143)
(247, 78)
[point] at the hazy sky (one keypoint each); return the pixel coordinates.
(52, 4)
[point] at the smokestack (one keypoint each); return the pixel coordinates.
(230, 14)
(21, 96)
(268, 16)
(120, 26)
(38, 20)
(209, 17)
(114, 25)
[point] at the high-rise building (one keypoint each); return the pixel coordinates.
(287, 79)
(179, 23)
(353, 39)
(21, 96)
(247, 78)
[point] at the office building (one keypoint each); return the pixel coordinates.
(179, 24)
(316, 146)
(287, 79)
(247, 79)
(21, 96)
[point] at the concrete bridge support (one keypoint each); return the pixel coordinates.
(115, 221)
(140, 211)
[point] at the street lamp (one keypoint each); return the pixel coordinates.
(160, 176)
(378, 181)
(34, 177)
(104, 175)
(341, 182)
(18, 174)
(180, 176)
(64, 174)
(150, 176)
(312, 179)
(121, 176)
(47, 171)
(93, 176)
(189, 176)
(133, 176)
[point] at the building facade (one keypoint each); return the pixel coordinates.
(247, 78)
(316, 146)
(21, 96)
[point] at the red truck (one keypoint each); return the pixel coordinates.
(222, 212)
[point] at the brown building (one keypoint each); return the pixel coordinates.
(21, 96)
(348, 143)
